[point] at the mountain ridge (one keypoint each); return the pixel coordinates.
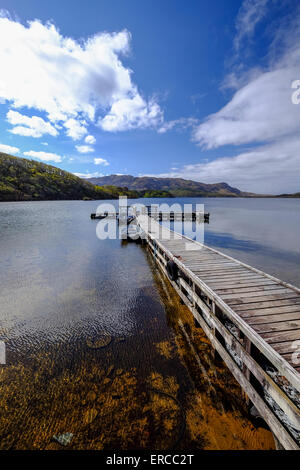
(176, 187)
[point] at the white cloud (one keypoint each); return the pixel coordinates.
(8, 149)
(259, 111)
(69, 79)
(29, 126)
(96, 174)
(75, 129)
(101, 161)
(84, 148)
(131, 113)
(250, 14)
(90, 139)
(44, 156)
(267, 169)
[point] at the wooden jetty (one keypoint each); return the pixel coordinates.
(159, 215)
(154, 212)
(251, 318)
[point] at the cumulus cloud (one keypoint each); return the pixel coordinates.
(84, 148)
(71, 80)
(8, 149)
(29, 126)
(44, 156)
(90, 139)
(101, 161)
(75, 129)
(130, 113)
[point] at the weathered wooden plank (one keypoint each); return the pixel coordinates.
(229, 277)
(211, 268)
(220, 271)
(245, 289)
(273, 294)
(207, 264)
(279, 337)
(201, 255)
(277, 326)
(280, 312)
(241, 283)
(259, 298)
(271, 318)
(213, 271)
(266, 304)
(285, 347)
(293, 358)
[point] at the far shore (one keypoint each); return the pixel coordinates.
(265, 196)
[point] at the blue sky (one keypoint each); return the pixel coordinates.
(197, 89)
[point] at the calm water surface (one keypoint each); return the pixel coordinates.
(63, 291)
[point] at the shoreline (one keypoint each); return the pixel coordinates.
(157, 197)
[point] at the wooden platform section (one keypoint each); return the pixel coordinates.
(159, 215)
(251, 318)
(155, 212)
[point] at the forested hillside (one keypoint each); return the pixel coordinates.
(29, 180)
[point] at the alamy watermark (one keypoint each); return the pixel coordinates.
(123, 221)
(295, 97)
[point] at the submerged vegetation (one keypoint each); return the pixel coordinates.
(96, 400)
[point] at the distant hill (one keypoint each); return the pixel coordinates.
(29, 180)
(289, 195)
(169, 187)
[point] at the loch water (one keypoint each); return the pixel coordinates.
(96, 340)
